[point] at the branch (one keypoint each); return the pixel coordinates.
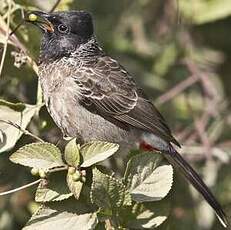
(24, 131)
(58, 169)
(13, 40)
(21, 188)
(6, 37)
(55, 6)
(109, 224)
(177, 89)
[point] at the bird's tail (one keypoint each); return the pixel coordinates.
(178, 161)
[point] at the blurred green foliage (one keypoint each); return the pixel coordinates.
(179, 52)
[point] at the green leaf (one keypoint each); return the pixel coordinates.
(72, 155)
(148, 215)
(64, 5)
(19, 114)
(146, 180)
(66, 215)
(94, 152)
(54, 190)
(74, 186)
(108, 192)
(204, 11)
(38, 155)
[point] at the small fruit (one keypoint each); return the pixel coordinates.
(83, 179)
(71, 170)
(35, 171)
(76, 176)
(42, 173)
(33, 17)
(83, 173)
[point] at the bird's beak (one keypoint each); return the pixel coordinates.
(40, 19)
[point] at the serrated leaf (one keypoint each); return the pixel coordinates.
(72, 155)
(146, 180)
(54, 190)
(94, 152)
(74, 186)
(154, 187)
(148, 215)
(20, 114)
(38, 155)
(66, 215)
(108, 192)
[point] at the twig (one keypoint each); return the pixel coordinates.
(7, 37)
(108, 224)
(21, 188)
(196, 153)
(55, 6)
(177, 89)
(203, 76)
(58, 169)
(185, 133)
(200, 125)
(178, 19)
(24, 131)
(20, 24)
(15, 42)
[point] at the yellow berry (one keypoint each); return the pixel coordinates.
(83, 179)
(42, 173)
(34, 171)
(83, 173)
(71, 170)
(33, 17)
(76, 176)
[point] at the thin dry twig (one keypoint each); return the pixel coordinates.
(200, 125)
(207, 85)
(180, 87)
(56, 169)
(15, 42)
(209, 96)
(6, 37)
(109, 225)
(24, 131)
(21, 187)
(55, 6)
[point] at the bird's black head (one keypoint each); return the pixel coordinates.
(63, 32)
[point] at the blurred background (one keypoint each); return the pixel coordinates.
(178, 51)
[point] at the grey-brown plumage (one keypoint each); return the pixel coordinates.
(91, 96)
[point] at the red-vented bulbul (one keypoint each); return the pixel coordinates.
(91, 96)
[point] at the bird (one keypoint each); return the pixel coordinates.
(91, 96)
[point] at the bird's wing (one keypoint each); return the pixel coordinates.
(107, 89)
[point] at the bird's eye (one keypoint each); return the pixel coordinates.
(62, 28)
